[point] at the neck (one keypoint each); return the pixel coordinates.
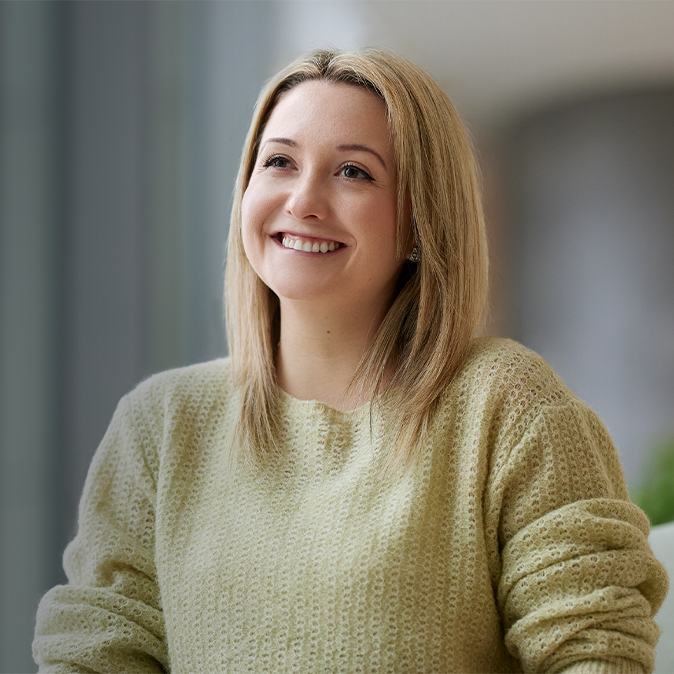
(320, 349)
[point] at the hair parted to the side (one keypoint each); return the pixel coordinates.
(440, 300)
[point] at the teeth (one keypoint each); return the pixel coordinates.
(308, 246)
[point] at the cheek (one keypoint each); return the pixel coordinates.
(258, 205)
(382, 220)
(384, 241)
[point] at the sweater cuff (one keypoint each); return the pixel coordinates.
(621, 666)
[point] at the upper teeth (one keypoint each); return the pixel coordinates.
(308, 246)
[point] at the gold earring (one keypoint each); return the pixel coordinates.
(415, 255)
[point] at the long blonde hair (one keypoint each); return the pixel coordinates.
(440, 300)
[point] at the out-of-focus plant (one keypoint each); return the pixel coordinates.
(655, 493)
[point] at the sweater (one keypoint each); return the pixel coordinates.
(511, 545)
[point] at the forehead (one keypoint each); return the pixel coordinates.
(333, 110)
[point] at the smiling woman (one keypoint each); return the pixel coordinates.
(391, 115)
(363, 486)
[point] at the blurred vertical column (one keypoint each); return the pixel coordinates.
(31, 315)
(107, 203)
(593, 253)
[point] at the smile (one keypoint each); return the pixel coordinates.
(308, 245)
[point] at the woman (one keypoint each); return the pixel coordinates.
(362, 487)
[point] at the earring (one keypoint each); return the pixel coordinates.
(415, 255)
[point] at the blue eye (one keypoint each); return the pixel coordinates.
(276, 161)
(354, 173)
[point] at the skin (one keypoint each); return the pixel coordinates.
(325, 173)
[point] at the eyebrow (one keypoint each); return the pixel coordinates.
(353, 147)
(362, 148)
(283, 141)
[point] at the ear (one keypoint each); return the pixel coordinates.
(409, 232)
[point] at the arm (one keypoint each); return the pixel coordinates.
(109, 617)
(579, 584)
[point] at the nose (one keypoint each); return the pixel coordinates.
(308, 198)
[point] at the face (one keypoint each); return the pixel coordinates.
(319, 213)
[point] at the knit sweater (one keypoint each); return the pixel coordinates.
(511, 545)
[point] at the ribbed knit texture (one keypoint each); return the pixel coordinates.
(511, 545)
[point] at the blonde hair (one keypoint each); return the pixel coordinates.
(440, 300)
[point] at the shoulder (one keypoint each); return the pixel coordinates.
(498, 367)
(169, 399)
(503, 387)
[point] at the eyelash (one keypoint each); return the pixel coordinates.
(269, 162)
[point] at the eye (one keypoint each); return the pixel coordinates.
(277, 161)
(354, 173)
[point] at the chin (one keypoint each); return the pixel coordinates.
(293, 293)
(299, 287)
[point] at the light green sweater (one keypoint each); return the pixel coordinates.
(511, 545)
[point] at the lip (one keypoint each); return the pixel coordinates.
(309, 253)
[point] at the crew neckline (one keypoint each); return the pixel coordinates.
(291, 402)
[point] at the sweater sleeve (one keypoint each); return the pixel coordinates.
(579, 584)
(109, 617)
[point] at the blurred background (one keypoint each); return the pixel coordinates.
(121, 125)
